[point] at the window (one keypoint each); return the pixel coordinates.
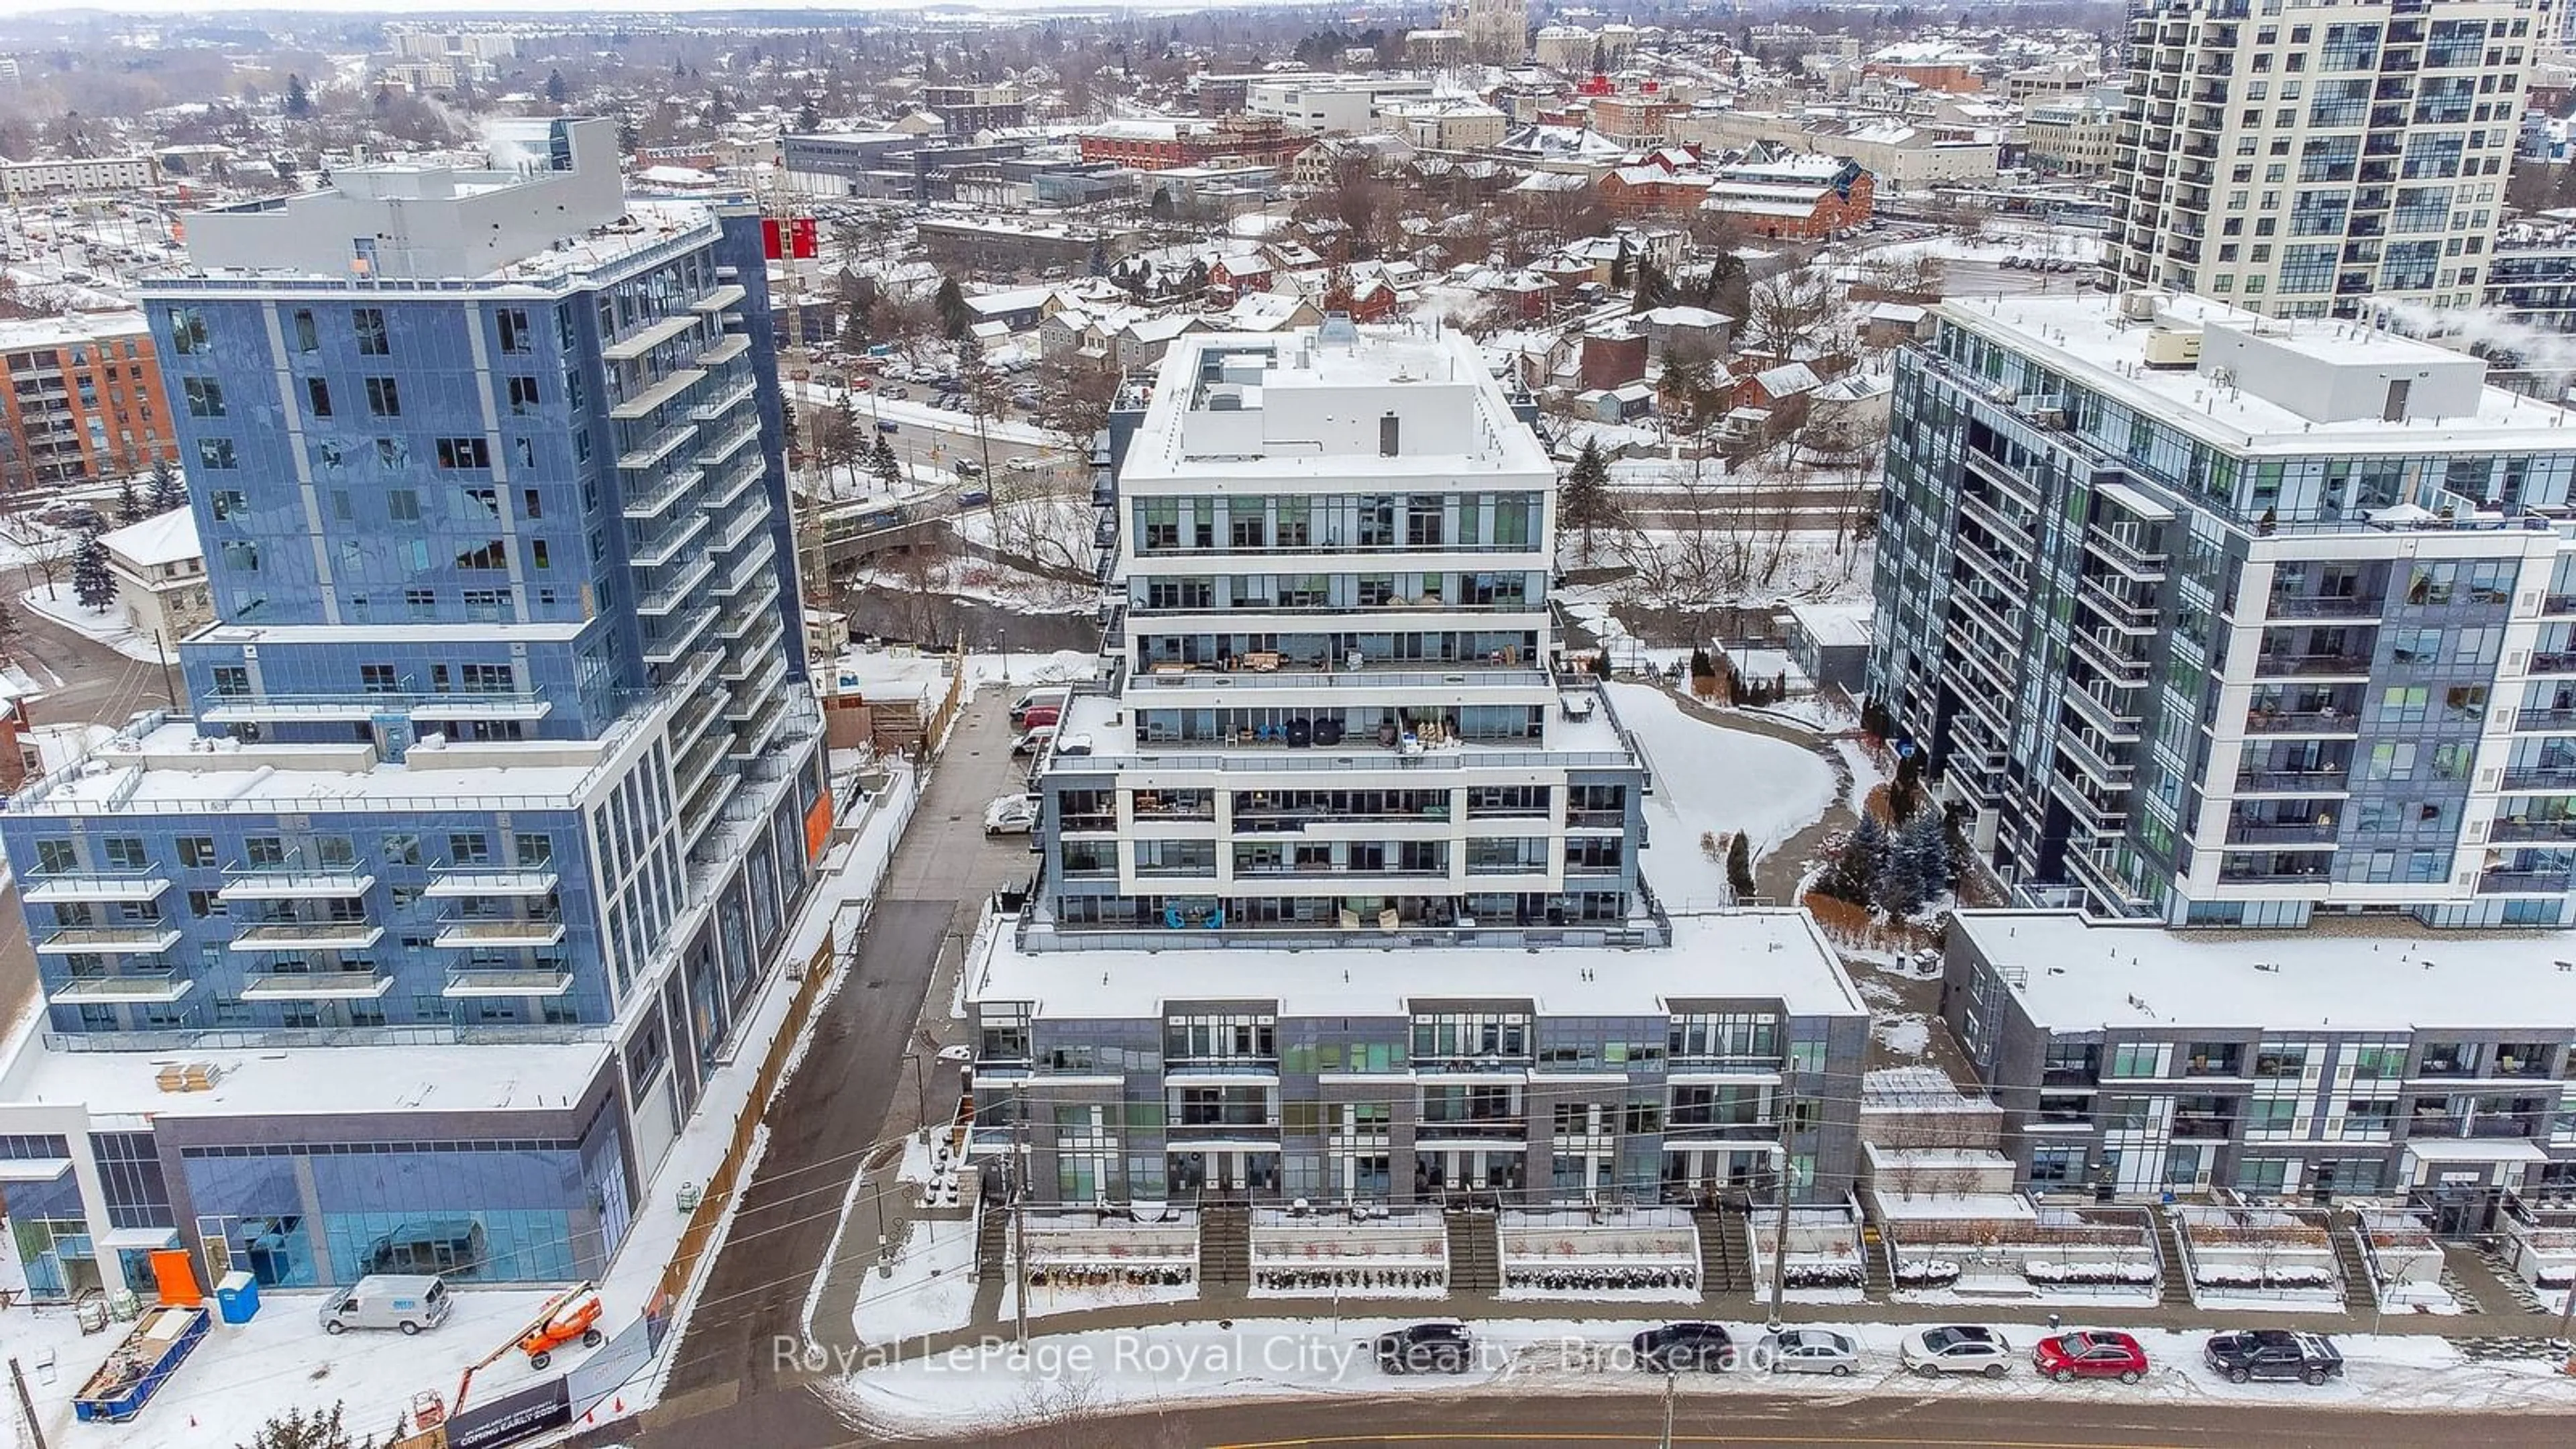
(232, 681)
(384, 398)
(369, 324)
(402, 849)
(517, 337)
(205, 397)
(377, 679)
(2134, 1061)
(229, 503)
(402, 505)
(533, 850)
(187, 330)
(420, 603)
(308, 338)
(492, 555)
(468, 849)
(523, 395)
(474, 453)
(196, 852)
(216, 453)
(317, 396)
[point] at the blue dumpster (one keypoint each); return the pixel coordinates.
(237, 1297)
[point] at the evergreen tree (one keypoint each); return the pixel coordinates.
(1855, 867)
(92, 584)
(129, 503)
(882, 461)
(956, 319)
(809, 117)
(1918, 865)
(168, 491)
(1584, 502)
(299, 101)
(557, 92)
(1739, 867)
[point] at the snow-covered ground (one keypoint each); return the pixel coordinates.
(931, 1288)
(1089, 1372)
(107, 626)
(1710, 781)
(242, 1376)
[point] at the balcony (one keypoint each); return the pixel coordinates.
(2323, 606)
(672, 642)
(142, 938)
(2524, 882)
(461, 884)
(308, 936)
(2540, 777)
(2553, 661)
(2292, 782)
(2303, 722)
(470, 982)
(2308, 666)
(724, 402)
(156, 989)
(479, 933)
(754, 563)
(45, 888)
(2316, 834)
(316, 986)
(2535, 829)
(2192, 1126)
(293, 883)
(669, 597)
(664, 544)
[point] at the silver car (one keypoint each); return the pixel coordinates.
(1811, 1351)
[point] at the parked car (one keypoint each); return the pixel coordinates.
(1427, 1347)
(2274, 1353)
(1033, 741)
(974, 497)
(1812, 1351)
(1954, 1349)
(1022, 465)
(1011, 815)
(2093, 1355)
(1039, 715)
(1678, 1346)
(888, 425)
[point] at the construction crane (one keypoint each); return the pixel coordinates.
(786, 231)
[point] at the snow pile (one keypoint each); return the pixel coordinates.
(1710, 782)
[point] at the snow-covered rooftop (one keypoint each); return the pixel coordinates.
(2257, 410)
(2073, 973)
(293, 1081)
(164, 538)
(1773, 954)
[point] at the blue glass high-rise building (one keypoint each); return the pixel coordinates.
(494, 800)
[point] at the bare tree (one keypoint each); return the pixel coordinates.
(1075, 394)
(1796, 314)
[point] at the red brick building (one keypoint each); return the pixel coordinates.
(83, 401)
(1159, 145)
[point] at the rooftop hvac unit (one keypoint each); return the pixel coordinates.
(2167, 347)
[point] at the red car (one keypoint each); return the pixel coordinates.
(2072, 1356)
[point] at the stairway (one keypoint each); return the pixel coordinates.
(2360, 1289)
(992, 1243)
(2177, 1285)
(1225, 1246)
(1724, 1268)
(1877, 1258)
(1475, 1253)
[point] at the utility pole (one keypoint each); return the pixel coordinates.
(1020, 1225)
(26, 1404)
(1672, 1377)
(1780, 1229)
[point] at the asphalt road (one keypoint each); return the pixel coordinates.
(834, 1108)
(790, 1418)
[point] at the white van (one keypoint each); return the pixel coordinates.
(407, 1301)
(1045, 696)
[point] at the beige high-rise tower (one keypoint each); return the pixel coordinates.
(2305, 160)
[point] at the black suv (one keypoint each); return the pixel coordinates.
(2273, 1353)
(1425, 1348)
(1678, 1346)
